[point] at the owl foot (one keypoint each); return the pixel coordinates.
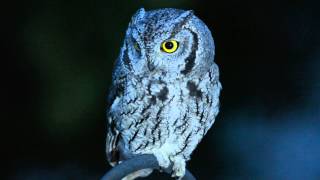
(178, 163)
(162, 158)
(179, 167)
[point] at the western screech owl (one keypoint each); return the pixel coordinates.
(165, 89)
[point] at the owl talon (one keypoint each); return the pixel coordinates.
(162, 159)
(179, 167)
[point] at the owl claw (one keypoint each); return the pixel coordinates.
(179, 167)
(178, 163)
(162, 159)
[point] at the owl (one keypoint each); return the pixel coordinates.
(165, 90)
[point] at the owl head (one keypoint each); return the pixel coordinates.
(168, 41)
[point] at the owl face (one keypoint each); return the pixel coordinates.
(170, 41)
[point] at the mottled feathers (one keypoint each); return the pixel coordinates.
(162, 102)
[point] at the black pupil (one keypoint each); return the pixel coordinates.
(168, 45)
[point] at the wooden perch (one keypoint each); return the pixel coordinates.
(145, 161)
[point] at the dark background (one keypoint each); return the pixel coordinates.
(56, 70)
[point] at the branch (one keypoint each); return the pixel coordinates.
(145, 161)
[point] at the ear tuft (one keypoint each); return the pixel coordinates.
(186, 14)
(138, 15)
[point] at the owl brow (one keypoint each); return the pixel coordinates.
(177, 28)
(148, 30)
(190, 60)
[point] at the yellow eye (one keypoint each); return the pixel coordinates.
(169, 46)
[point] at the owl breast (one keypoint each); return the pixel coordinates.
(170, 115)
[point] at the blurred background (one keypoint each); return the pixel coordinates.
(56, 70)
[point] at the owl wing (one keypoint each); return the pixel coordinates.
(113, 135)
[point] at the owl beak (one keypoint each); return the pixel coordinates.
(150, 66)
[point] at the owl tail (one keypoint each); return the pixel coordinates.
(113, 154)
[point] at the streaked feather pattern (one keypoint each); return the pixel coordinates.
(162, 103)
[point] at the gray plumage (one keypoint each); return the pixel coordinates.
(162, 102)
